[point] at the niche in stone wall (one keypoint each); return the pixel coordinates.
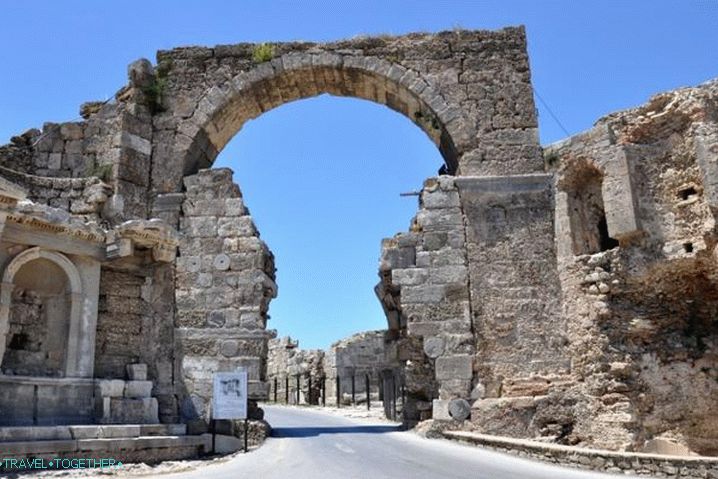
(587, 217)
(39, 321)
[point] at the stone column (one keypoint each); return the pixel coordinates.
(83, 320)
(5, 301)
(619, 202)
(3, 219)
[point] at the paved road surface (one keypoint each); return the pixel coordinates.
(308, 444)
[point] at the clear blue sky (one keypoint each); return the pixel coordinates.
(322, 177)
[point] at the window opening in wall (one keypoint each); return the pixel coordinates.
(687, 193)
(688, 247)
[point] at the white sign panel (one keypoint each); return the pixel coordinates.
(229, 397)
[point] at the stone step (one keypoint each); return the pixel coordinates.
(56, 433)
(149, 449)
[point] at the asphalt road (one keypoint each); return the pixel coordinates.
(313, 444)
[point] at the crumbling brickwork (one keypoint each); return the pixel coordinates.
(641, 310)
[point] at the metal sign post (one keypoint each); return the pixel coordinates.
(338, 391)
(368, 394)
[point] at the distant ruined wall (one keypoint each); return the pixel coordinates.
(371, 353)
(285, 362)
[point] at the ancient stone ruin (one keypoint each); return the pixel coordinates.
(567, 293)
(309, 376)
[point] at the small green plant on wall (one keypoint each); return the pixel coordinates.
(155, 93)
(263, 52)
(551, 159)
(103, 172)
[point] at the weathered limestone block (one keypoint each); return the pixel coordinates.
(440, 410)
(137, 372)
(454, 367)
(137, 389)
(109, 388)
(134, 411)
(618, 197)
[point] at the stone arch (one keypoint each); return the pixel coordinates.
(75, 334)
(225, 107)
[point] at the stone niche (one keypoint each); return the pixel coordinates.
(39, 320)
(586, 212)
(47, 330)
(48, 307)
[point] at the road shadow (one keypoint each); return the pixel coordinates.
(316, 431)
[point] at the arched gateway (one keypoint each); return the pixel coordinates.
(501, 308)
(446, 285)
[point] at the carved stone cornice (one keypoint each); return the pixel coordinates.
(154, 234)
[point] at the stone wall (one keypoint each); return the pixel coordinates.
(372, 354)
(286, 362)
(369, 353)
(25, 351)
(641, 316)
(224, 282)
(650, 465)
(425, 290)
(80, 196)
(131, 328)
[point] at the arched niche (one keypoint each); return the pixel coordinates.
(583, 184)
(45, 287)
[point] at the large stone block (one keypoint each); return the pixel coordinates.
(134, 411)
(440, 410)
(109, 388)
(454, 367)
(236, 226)
(224, 444)
(409, 276)
(440, 199)
(137, 372)
(423, 294)
(200, 226)
(397, 258)
(138, 389)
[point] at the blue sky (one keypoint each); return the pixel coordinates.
(322, 177)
